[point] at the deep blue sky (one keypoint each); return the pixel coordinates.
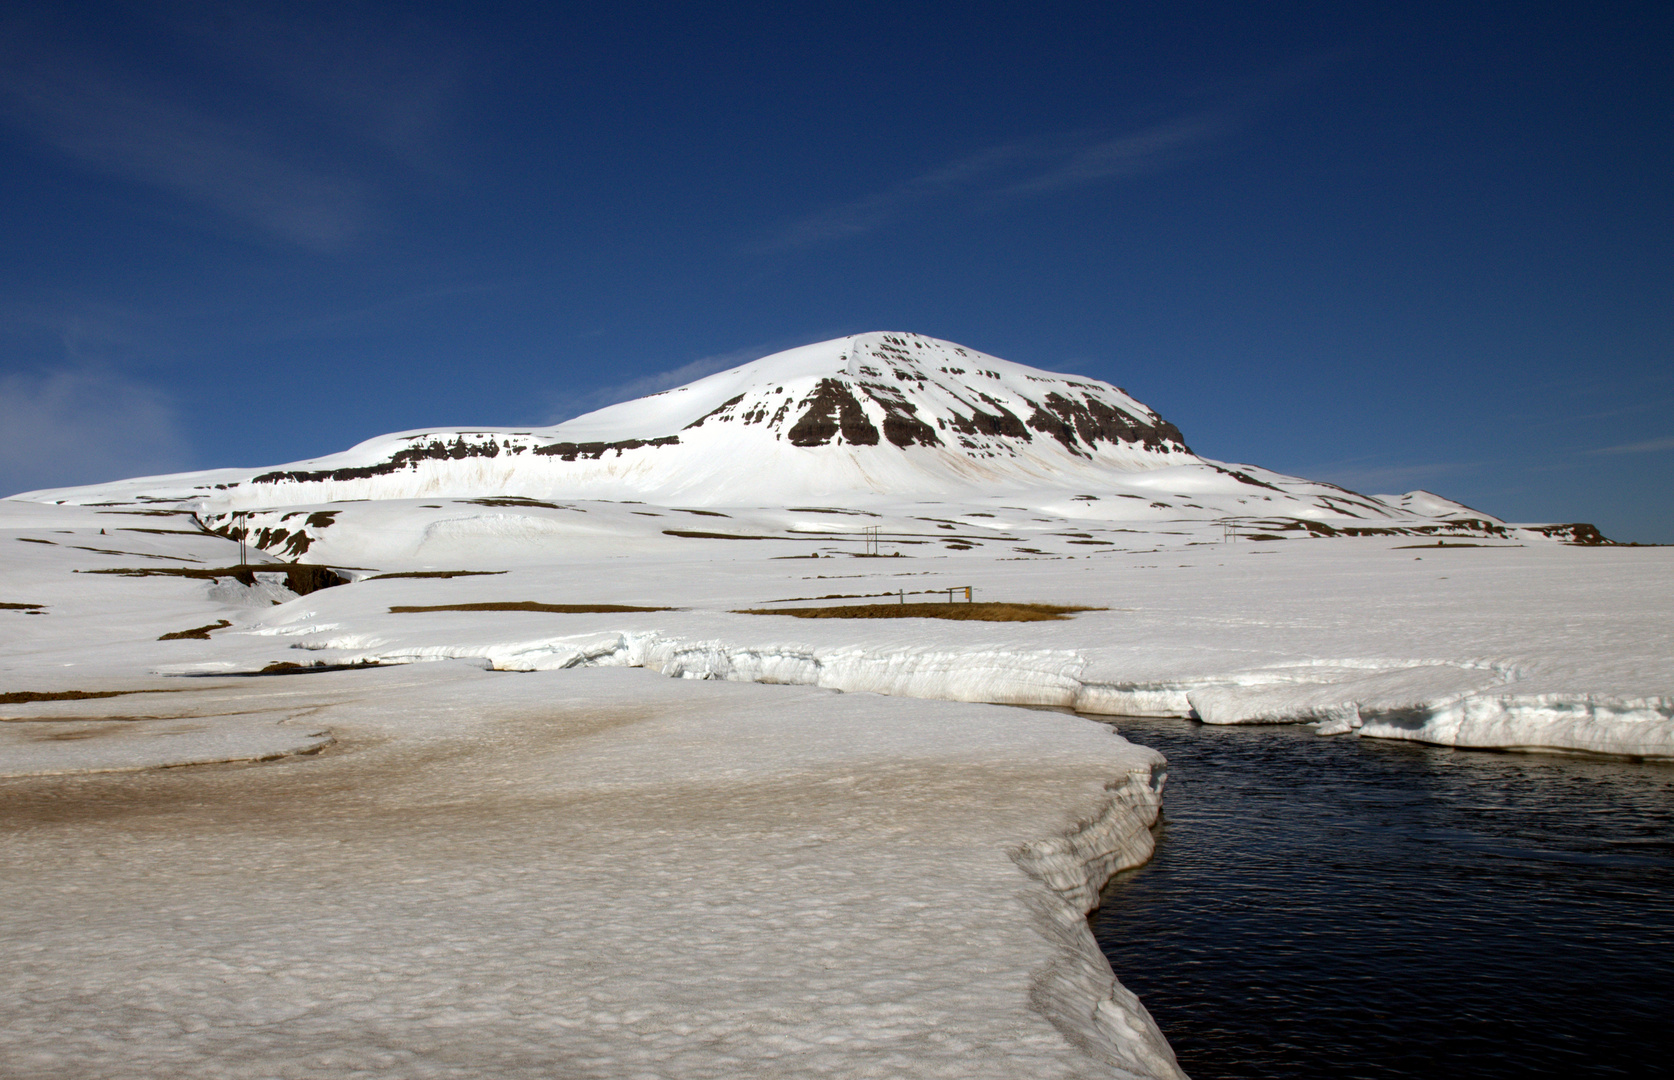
(1393, 246)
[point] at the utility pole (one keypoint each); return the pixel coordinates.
(240, 522)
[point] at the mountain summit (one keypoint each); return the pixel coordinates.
(907, 391)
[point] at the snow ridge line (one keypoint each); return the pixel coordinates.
(1076, 990)
(1446, 704)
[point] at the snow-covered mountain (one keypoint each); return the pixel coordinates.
(892, 415)
(880, 419)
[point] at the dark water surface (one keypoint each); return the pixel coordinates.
(1358, 908)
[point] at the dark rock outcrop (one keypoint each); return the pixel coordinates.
(1081, 425)
(832, 408)
(570, 451)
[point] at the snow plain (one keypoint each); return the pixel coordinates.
(480, 842)
(1519, 643)
(591, 874)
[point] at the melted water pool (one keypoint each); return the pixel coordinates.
(1357, 908)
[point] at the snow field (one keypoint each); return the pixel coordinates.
(586, 873)
(1529, 646)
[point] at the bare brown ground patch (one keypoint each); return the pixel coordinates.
(300, 578)
(290, 667)
(20, 697)
(980, 612)
(360, 786)
(435, 574)
(522, 605)
(698, 534)
(199, 633)
(1440, 544)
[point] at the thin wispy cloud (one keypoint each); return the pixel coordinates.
(865, 214)
(1149, 151)
(283, 120)
(382, 85)
(84, 425)
(1641, 405)
(139, 134)
(1014, 170)
(72, 328)
(1649, 446)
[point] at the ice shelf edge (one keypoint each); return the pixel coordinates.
(1077, 990)
(1494, 717)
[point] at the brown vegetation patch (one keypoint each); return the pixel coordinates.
(284, 667)
(133, 554)
(1444, 544)
(511, 500)
(21, 607)
(142, 513)
(694, 534)
(523, 605)
(436, 574)
(287, 667)
(300, 578)
(23, 697)
(200, 633)
(836, 596)
(982, 612)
